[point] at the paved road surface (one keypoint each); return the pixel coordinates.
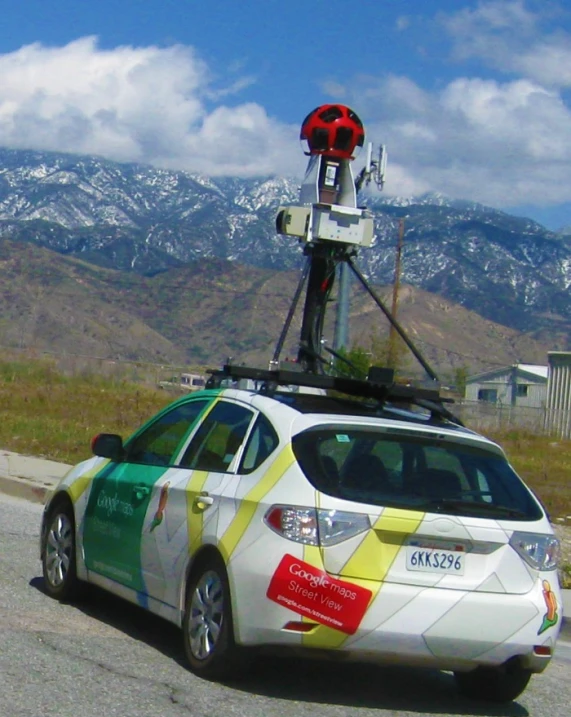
(107, 658)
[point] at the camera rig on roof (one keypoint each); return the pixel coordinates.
(331, 227)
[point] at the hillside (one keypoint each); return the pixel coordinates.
(205, 311)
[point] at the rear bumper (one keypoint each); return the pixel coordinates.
(436, 627)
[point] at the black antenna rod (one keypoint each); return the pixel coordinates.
(291, 312)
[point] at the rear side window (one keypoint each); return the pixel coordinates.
(261, 443)
(218, 439)
(419, 472)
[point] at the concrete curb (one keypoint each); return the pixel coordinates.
(30, 478)
(23, 488)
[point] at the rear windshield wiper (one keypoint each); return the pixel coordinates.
(476, 507)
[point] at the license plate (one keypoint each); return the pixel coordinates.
(435, 560)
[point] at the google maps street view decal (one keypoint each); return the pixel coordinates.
(314, 593)
(550, 618)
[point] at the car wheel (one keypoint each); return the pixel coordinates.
(59, 555)
(207, 627)
(494, 684)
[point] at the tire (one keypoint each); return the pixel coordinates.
(59, 554)
(494, 684)
(208, 631)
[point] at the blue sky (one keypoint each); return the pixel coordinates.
(472, 98)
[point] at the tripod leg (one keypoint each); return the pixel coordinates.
(291, 312)
(398, 328)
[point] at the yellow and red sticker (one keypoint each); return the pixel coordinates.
(309, 591)
(550, 618)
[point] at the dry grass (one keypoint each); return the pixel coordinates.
(545, 465)
(48, 414)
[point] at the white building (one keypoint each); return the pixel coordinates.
(521, 384)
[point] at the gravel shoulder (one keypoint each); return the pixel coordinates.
(563, 532)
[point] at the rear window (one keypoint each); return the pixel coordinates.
(418, 472)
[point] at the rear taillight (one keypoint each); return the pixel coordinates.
(335, 526)
(539, 550)
(315, 526)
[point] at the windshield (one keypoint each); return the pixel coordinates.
(424, 472)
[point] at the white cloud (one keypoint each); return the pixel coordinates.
(402, 23)
(493, 15)
(334, 89)
(144, 104)
(511, 38)
(502, 144)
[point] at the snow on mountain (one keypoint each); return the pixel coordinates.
(137, 218)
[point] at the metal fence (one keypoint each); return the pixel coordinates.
(483, 416)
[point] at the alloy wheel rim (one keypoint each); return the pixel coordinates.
(206, 615)
(59, 545)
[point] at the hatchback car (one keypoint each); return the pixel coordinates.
(295, 520)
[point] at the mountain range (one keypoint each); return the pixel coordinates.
(131, 233)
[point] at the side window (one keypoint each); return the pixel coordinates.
(490, 395)
(218, 439)
(158, 443)
(263, 441)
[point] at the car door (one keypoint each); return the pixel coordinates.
(213, 455)
(120, 495)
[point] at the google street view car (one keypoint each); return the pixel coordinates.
(353, 523)
(300, 510)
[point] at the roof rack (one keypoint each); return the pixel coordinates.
(378, 385)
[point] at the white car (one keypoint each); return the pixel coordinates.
(271, 517)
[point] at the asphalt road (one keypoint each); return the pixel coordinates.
(107, 658)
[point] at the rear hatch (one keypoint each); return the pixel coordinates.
(441, 506)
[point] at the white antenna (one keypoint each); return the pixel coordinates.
(374, 168)
(369, 162)
(381, 167)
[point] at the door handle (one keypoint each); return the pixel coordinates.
(203, 501)
(141, 491)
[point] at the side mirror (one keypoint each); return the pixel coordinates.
(108, 445)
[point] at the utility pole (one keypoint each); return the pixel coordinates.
(396, 286)
(341, 340)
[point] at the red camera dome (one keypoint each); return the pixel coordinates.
(334, 130)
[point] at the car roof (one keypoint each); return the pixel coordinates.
(302, 411)
(320, 409)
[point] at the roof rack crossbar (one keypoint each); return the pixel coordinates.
(382, 391)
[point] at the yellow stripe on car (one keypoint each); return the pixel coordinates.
(80, 485)
(194, 513)
(388, 533)
(251, 502)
